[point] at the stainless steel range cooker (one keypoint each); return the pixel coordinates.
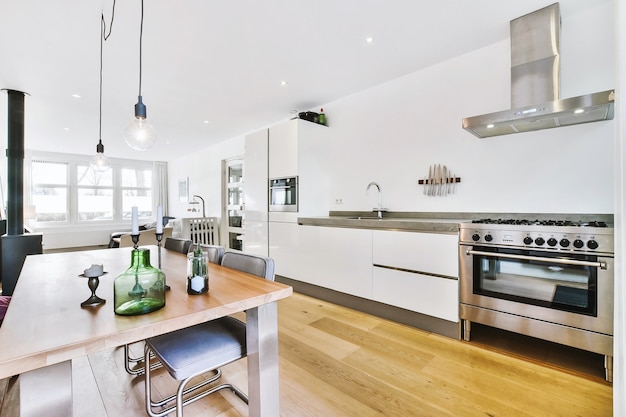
(550, 279)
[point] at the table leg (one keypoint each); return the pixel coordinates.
(46, 391)
(262, 344)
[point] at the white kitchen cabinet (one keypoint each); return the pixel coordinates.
(255, 239)
(256, 175)
(336, 258)
(417, 271)
(300, 148)
(283, 156)
(435, 253)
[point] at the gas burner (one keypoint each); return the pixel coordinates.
(526, 222)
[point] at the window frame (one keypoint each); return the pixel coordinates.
(74, 161)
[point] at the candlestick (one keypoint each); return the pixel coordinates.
(159, 236)
(159, 224)
(135, 238)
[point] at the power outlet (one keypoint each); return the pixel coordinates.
(338, 200)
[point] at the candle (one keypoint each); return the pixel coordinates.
(159, 225)
(135, 228)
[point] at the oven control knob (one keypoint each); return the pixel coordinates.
(592, 244)
(578, 243)
(564, 242)
(488, 238)
(475, 237)
(528, 240)
(552, 241)
(540, 241)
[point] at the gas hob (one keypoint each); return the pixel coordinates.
(557, 235)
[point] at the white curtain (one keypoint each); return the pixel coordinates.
(159, 170)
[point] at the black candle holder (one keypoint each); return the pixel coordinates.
(93, 300)
(135, 239)
(159, 236)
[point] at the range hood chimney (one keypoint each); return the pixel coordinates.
(535, 84)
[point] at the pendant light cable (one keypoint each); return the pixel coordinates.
(100, 161)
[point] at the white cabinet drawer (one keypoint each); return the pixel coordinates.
(433, 253)
(434, 296)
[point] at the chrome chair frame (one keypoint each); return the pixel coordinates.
(182, 368)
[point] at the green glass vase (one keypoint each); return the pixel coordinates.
(141, 288)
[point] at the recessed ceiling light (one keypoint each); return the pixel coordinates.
(369, 39)
(283, 83)
(67, 129)
(76, 95)
(490, 126)
(206, 122)
(579, 111)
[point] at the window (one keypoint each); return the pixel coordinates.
(50, 190)
(66, 190)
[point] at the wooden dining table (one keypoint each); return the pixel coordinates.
(45, 326)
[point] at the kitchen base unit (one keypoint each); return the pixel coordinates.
(389, 312)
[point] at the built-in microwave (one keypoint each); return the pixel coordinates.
(283, 194)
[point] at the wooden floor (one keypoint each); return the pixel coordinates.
(339, 362)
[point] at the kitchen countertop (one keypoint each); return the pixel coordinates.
(434, 222)
(415, 222)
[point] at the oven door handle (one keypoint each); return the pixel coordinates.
(601, 265)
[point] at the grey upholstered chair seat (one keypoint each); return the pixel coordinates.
(204, 346)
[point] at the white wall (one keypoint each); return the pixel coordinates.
(392, 132)
(619, 370)
(204, 170)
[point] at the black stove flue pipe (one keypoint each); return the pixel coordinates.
(15, 245)
(15, 163)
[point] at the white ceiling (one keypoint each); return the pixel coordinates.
(221, 62)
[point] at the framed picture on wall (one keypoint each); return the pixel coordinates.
(183, 190)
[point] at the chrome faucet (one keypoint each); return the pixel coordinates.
(380, 208)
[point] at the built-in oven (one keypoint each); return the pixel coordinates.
(545, 281)
(283, 194)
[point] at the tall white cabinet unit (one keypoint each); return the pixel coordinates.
(297, 148)
(300, 148)
(293, 148)
(255, 193)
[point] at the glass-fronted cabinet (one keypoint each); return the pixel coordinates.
(233, 211)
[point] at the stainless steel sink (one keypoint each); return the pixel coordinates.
(364, 218)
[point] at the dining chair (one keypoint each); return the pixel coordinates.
(178, 244)
(215, 253)
(205, 347)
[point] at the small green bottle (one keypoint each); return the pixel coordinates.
(322, 117)
(141, 288)
(197, 271)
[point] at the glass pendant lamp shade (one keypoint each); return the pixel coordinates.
(140, 134)
(100, 163)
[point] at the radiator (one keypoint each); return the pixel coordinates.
(203, 230)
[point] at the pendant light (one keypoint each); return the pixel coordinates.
(100, 163)
(140, 134)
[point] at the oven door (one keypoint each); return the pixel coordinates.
(283, 194)
(564, 288)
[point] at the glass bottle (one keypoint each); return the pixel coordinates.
(322, 117)
(197, 271)
(141, 288)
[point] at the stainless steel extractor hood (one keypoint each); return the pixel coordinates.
(535, 84)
